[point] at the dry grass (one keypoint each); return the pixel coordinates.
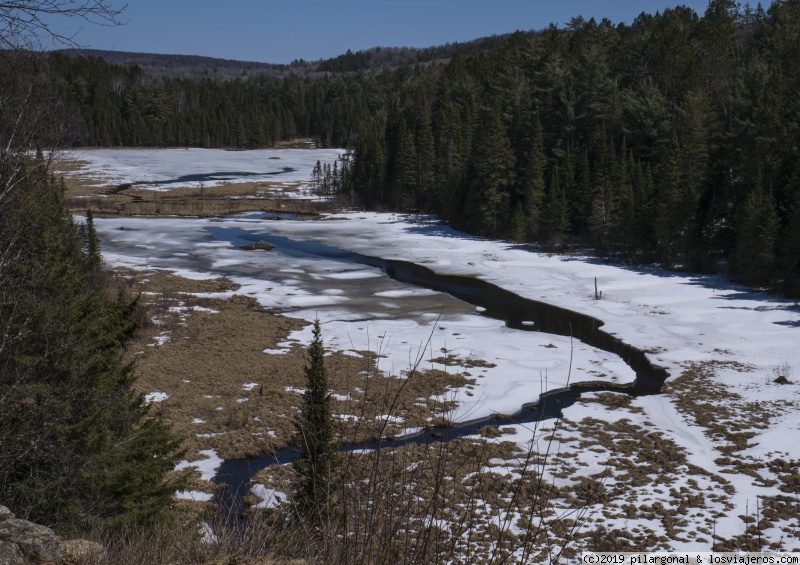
(725, 416)
(217, 201)
(212, 347)
(472, 500)
(85, 191)
(488, 491)
(255, 542)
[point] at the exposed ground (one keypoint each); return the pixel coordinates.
(607, 478)
(86, 191)
(613, 480)
(201, 360)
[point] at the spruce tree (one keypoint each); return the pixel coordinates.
(754, 257)
(315, 435)
(92, 243)
(77, 447)
(790, 252)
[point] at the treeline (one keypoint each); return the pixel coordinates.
(673, 139)
(161, 67)
(382, 58)
(117, 106)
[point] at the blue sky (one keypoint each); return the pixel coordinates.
(279, 31)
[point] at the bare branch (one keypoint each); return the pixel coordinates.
(28, 23)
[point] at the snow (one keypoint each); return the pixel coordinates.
(194, 495)
(155, 397)
(162, 169)
(748, 337)
(207, 467)
(270, 498)
(159, 340)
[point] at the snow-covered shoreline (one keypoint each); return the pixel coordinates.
(163, 169)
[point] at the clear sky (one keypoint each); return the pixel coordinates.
(274, 31)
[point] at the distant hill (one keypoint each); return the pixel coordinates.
(161, 67)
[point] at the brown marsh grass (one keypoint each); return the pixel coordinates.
(471, 500)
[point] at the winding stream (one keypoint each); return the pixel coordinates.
(516, 311)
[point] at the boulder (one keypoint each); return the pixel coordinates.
(10, 553)
(23, 542)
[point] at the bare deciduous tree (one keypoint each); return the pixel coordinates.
(28, 116)
(26, 23)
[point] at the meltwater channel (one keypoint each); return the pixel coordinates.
(496, 303)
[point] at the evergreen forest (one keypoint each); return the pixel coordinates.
(671, 140)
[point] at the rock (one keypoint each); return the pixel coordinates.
(23, 542)
(83, 551)
(26, 543)
(36, 543)
(258, 246)
(10, 553)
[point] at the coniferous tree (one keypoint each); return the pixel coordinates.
(92, 242)
(556, 220)
(78, 447)
(314, 490)
(493, 175)
(532, 166)
(668, 219)
(404, 181)
(790, 251)
(754, 258)
(518, 229)
(316, 178)
(425, 157)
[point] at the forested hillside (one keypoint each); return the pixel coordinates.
(673, 139)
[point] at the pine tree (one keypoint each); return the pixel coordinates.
(532, 170)
(754, 258)
(519, 225)
(77, 447)
(316, 178)
(92, 242)
(425, 156)
(668, 207)
(556, 220)
(790, 251)
(405, 171)
(493, 174)
(315, 435)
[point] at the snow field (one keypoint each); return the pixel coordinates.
(729, 342)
